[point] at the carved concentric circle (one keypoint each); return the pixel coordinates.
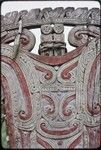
(46, 29)
(58, 28)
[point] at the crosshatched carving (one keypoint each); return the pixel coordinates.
(51, 100)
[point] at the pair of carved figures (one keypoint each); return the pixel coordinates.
(51, 100)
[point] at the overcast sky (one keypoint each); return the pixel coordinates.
(9, 6)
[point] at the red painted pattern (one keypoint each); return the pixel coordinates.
(8, 110)
(57, 60)
(58, 132)
(65, 73)
(42, 142)
(48, 75)
(65, 103)
(75, 142)
(94, 136)
(51, 102)
(25, 138)
(27, 114)
(94, 109)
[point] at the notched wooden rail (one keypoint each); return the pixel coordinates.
(36, 17)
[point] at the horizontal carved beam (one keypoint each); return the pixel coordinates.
(36, 17)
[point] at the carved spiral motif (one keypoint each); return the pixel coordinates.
(49, 109)
(27, 40)
(58, 28)
(48, 74)
(66, 72)
(80, 35)
(46, 29)
(40, 112)
(46, 130)
(67, 112)
(88, 73)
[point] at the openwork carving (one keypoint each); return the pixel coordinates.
(51, 100)
(37, 17)
(52, 40)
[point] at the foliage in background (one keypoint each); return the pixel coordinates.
(4, 135)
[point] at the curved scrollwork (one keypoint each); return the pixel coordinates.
(27, 40)
(67, 112)
(50, 109)
(52, 99)
(67, 72)
(46, 29)
(58, 28)
(80, 35)
(94, 106)
(87, 78)
(46, 74)
(46, 130)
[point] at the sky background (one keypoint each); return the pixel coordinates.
(9, 6)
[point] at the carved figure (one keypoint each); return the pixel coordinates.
(52, 40)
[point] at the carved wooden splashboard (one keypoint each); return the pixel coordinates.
(52, 101)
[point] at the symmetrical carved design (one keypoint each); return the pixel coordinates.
(37, 17)
(52, 40)
(52, 101)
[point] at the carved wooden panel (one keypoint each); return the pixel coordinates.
(52, 101)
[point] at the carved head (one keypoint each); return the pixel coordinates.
(52, 40)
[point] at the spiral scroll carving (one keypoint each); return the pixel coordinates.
(52, 100)
(81, 35)
(67, 112)
(88, 75)
(46, 29)
(27, 41)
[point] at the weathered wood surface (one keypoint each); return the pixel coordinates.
(52, 101)
(37, 17)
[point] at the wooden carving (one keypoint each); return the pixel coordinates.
(52, 100)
